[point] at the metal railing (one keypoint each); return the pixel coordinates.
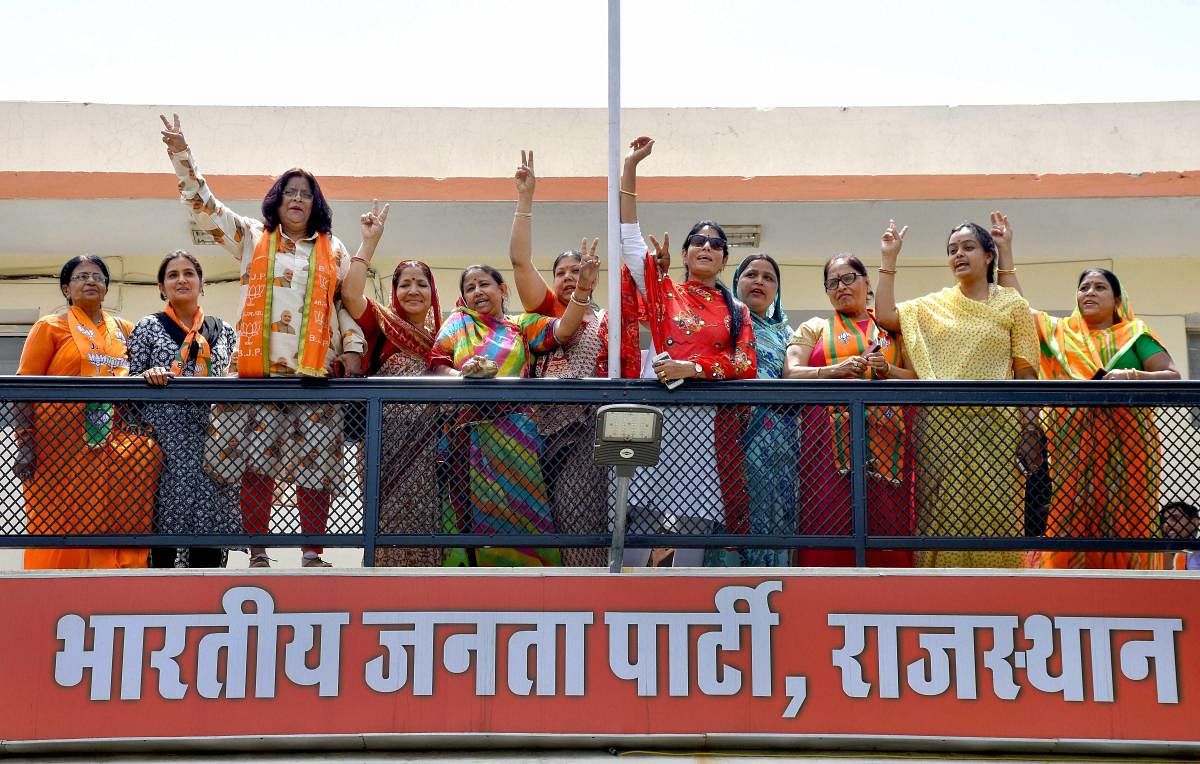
(441, 464)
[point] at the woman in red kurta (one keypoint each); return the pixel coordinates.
(706, 334)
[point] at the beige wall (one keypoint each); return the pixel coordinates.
(1076, 138)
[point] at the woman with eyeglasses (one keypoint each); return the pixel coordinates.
(289, 325)
(184, 341)
(1105, 461)
(83, 467)
(493, 453)
(700, 331)
(851, 345)
(969, 460)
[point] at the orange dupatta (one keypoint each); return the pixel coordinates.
(254, 329)
(193, 339)
(1106, 459)
(885, 424)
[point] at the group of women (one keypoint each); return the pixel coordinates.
(515, 467)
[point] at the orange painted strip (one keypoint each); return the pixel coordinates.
(779, 188)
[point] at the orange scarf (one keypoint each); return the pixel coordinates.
(194, 339)
(885, 424)
(108, 359)
(254, 329)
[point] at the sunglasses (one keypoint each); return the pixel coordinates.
(699, 240)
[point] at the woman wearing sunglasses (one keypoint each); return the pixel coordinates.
(700, 332)
(851, 345)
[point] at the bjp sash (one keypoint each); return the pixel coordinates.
(885, 424)
(193, 342)
(254, 359)
(108, 359)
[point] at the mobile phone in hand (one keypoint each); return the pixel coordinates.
(674, 383)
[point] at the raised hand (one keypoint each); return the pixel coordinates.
(1001, 231)
(589, 267)
(662, 252)
(372, 223)
(172, 135)
(891, 242)
(639, 149)
(525, 177)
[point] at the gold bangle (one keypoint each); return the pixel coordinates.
(1006, 271)
(523, 215)
(889, 271)
(630, 193)
(586, 303)
(363, 260)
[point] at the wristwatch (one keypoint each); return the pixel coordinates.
(699, 369)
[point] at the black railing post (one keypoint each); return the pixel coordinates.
(858, 479)
(373, 442)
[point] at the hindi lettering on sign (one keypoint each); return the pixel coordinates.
(941, 635)
(540, 635)
(713, 676)
(230, 639)
(1135, 655)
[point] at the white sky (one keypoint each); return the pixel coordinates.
(552, 52)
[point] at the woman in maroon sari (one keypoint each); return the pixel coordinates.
(400, 344)
(849, 345)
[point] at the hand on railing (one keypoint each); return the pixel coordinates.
(158, 376)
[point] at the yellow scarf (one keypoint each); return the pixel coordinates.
(254, 329)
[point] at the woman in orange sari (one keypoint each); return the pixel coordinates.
(1104, 460)
(82, 470)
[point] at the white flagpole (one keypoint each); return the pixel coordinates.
(614, 188)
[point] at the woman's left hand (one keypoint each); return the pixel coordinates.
(589, 267)
(351, 364)
(373, 222)
(1121, 375)
(669, 370)
(1031, 451)
(158, 376)
(877, 363)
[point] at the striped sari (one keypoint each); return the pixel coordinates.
(1104, 461)
(492, 456)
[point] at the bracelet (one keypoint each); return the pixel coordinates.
(889, 271)
(586, 303)
(363, 260)
(528, 215)
(630, 193)
(1006, 271)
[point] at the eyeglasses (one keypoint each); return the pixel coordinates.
(293, 193)
(699, 240)
(85, 277)
(846, 279)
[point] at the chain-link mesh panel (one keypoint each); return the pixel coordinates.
(508, 473)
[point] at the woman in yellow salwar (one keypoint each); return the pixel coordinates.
(1104, 461)
(968, 459)
(82, 470)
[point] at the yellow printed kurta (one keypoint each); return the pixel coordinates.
(968, 482)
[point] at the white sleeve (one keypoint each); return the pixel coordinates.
(633, 253)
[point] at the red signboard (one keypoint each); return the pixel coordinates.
(995, 656)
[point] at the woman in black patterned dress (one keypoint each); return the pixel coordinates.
(182, 341)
